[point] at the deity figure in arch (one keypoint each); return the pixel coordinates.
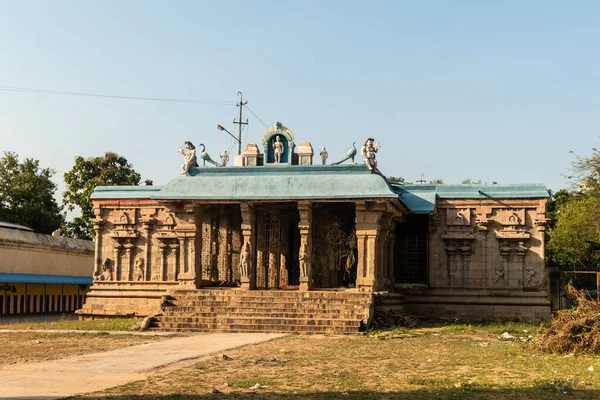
(278, 149)
(189, 157)
(368, 153)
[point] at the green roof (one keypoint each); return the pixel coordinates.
(310, 182)
(420, 199)
(283, 182)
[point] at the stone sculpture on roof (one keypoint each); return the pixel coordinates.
(189, 157)
(324, 154)
(368, 152)
(205, 157)
(224, 158)
(350, 154)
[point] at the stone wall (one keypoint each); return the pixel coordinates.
(486, 260)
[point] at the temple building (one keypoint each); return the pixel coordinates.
(280, 241)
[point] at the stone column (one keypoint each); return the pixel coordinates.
(98, 246)
(305, 226)
(129, 261)
(163, 259)
(368, 216)
(283, 272)
(117, 256)
(248, 275)
(147, 228)
(172, 274)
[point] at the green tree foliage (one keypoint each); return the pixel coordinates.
(87, 173)
(574, 227)
(399, 180)
(470, 181)
(436, 181)
(27, 194)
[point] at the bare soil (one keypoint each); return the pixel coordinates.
(24, 347)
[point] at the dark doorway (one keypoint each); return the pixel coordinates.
(334, 245)
(411, 260)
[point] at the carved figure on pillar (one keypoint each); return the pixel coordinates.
(107, 270)
(498, 274)
(278, 149)
(189, 157)
(305, 260)
(368, 152)
(246, 260)
(138, 273)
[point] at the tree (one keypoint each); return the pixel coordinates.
(470, 181)
(27, 194)
(108, 170)
(399, 180)
(436, 181)
(575, 217)
(576, 227)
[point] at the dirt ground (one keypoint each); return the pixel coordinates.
(33, 347)
(470, 363)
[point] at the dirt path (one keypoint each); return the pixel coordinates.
(92, 372)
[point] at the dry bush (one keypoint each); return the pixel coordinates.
(576, 330)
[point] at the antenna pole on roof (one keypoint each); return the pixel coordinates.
(241, 105)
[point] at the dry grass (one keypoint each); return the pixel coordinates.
(68, 322)
(576, 330)
(22, 347)
(452, 361)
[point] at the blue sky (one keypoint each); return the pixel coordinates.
(498, 91)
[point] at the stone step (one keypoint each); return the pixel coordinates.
(269, 293)
(245, 327)
(271, 319)
(267, 304)
(245, 296)
(262, 313)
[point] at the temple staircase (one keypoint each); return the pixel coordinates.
(234, 310)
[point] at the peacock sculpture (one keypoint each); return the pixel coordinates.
(206, 158)
(349, 154)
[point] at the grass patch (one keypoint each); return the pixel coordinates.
(69, 323)
(434, 362)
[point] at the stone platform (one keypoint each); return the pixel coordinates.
(234, 310)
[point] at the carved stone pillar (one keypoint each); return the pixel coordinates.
(117, 256)
(368, 216)
(98, 223)
(305, 250)
(248, 275)
(128, 262)
(283, 261)
(172, 272)
(163, 260)
(147, 228)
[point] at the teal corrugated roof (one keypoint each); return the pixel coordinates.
(51, 279)
(351, 181)
(418, 199)
(522, 191)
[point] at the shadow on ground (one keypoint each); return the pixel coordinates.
(534, 393)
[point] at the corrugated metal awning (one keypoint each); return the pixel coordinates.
(51, 279)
